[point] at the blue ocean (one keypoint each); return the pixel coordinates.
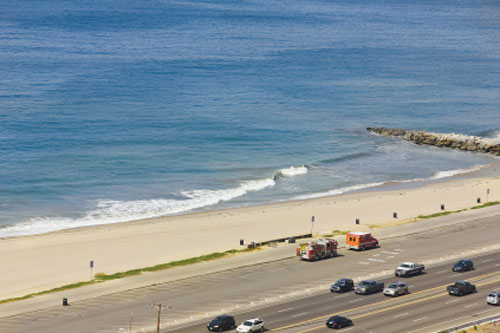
(113, 111)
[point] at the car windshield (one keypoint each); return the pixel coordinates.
(340, 282)
(364, 283)
(247, 323)
(405, 266)
(491, 295)
(393, 285)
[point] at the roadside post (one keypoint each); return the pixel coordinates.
(487, 194)
(312, 225)
(159, 307)
(91, 267)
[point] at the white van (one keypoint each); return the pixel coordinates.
(493, 298)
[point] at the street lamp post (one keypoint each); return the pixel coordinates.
(159, 307)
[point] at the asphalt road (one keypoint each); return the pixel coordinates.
(292, 291)
(428, 307)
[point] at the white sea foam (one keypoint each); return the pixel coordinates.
(114, 211)
(292, 171)
(451, 173)
(337, 191)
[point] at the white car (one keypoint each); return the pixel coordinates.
(493, 298)
(251, 325)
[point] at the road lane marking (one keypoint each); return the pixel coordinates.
(443, 271)
(383, 302)
(487, 260)
(455, 275)
(448, 321)
(284, 310)
(419, 319)
(497, 265)
(356, 300)
(377, 260)
(300, 314)
(364, 263)
(452, 301)
(388, 252)
(340, 296)
(401, 315)
(468, 306)
(376, 255)
(389, 257)
(399, 250)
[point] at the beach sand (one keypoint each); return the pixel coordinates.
(41, 262)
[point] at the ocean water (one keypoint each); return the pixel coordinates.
(113, 111)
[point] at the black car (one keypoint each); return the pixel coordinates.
(342, 285)
(338, 322)
(463, 265)
(221, 323)
(461, 288)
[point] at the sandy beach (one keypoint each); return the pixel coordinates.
(40, 262)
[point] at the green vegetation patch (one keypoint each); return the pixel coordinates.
(488, 204)
(101, 277)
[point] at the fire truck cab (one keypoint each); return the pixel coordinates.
(317, 249)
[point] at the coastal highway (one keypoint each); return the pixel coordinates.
(290, 291)
(428, 307)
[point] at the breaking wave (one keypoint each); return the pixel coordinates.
(115, 211)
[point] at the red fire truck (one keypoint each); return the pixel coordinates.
(317, 249)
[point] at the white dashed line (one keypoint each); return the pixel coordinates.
(399, 250)
(377, 260)
(389, 257)
(497, 265)
(452, 301)
(419, 319)
(364, 263)
(443, 271)
(455, 275)
(401, 315)
(388, 252)
(340, 296)
(487, 260)
(284, 310)
(376, 255)
(470, 305)
(356, 300)
(299, 314)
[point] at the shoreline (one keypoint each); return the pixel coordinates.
(480, 171)
(62, 257)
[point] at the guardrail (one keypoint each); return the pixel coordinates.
(493, 319)
(290, 239)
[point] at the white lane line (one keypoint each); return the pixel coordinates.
(455, 275)
(377, 260)
(284, 310)
(364, 263)
(443, 271)
(401, 315)
(468, 306)
(399, 250)
(299, 314)
(376, 255)
(389, 257)
(411, 286)
(487, 260)
(389, 252)
(452, 301)
(340, 296)
(356, 300)
(448, 321)
(497, 265)
(419, 319)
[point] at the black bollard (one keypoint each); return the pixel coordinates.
(442, 207)
(395, 215)
(478, 200)
(357, 221)
(242, 242)
(65, 302)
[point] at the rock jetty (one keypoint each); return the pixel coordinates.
(444, 140)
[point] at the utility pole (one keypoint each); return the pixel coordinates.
(159, 307)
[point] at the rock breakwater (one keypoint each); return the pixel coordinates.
(443, 140)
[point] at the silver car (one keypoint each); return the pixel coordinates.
(493, 298)
(396, 289)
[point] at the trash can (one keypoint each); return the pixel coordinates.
(242, 242)
(478, 200)
(65, 302)
(357, 221)
(442, 207)
(395, 215)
